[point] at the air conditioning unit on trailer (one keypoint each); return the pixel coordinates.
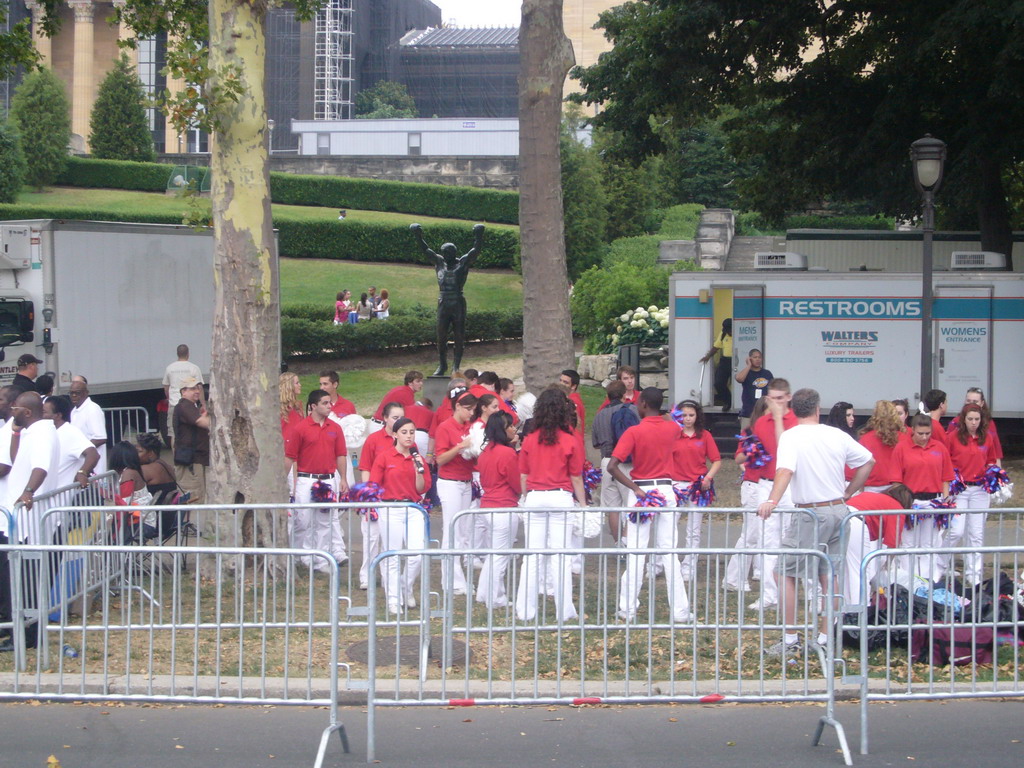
(977, 260)
(780, 260)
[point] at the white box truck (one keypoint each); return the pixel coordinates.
(107, 300)
(854, 336)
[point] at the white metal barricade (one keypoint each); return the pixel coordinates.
(124, 423)
(264, 633)
(943, 639)
(590, 654)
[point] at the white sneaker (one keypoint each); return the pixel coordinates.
(757, 605)
(783, 649)
(733, 588)
(626, 616)
(410, 601)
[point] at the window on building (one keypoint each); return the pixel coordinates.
(415, 144)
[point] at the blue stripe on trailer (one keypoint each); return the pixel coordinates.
(690, 307)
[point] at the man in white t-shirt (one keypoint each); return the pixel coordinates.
(6, 644)
(78, 456)
(174, 378)
(811, 461)
(88, 417)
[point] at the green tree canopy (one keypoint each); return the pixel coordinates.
(118, 126)
(831, 94)
(583, 199)
(385, 99)
(16, 46)
(39, 110)
(12, 163)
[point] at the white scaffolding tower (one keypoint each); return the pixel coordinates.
(332, 90)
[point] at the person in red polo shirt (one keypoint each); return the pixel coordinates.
(627, 375)
(498, 466)
(926, 469)
(694, 456)
(880, 436)
(317, 450)
(650, 443)
(378, 442)
(571, 379)
(769, 429)
(403, 395)
(455, 481)
(403, 475)
(551, 474)
(972, 450)
(867, 533)
(340, 407)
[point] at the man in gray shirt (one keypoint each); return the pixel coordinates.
(602, 435)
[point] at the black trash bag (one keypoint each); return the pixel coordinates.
(993, 601)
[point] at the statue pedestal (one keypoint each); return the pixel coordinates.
(436, 389)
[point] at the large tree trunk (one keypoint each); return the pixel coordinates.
(246, 445)
(993, 211)
(546, 56)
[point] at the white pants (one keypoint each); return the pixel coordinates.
(858, 545)
(665, 526)
(771, 534)
(400, 528)
(481, 528)
(755, 534)
(316, 528)
(455, 495)
(503, 529)
(973, 524)
(924, 535)
(370, 531)
(691, 538)
(546, 530)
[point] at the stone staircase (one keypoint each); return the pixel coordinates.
(742, 250)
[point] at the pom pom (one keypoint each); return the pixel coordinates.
(322, 493)
(677, 416)
(477, 491)
(646, 506)
(753, 449)
(957, 486)
(698, 496)
(355, 429)
(366, 493)
(524, 405)
(922, 517)
(591, 478)
(476, 442)
(994, 478)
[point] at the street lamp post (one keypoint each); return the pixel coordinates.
(927, 155)
(270, 125)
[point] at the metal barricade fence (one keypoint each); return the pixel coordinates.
(584, 650)
(126, 422)
(264, 632)
(76, 525)
(944, 639)
(6, 624)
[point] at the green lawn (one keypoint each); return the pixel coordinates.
(319, 280)
(120, 199)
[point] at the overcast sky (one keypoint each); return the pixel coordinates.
(480, 13)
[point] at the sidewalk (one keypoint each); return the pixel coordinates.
(950, 734)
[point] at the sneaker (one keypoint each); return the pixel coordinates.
(733, 588)
(626, 616)
(783, 649)
(758, 605)
(410, 601)
(687, 618)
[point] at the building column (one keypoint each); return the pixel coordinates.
(42, 42)
(124, 32)
(83, 86)
(174, 142)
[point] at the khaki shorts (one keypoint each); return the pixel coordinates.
(802, 535)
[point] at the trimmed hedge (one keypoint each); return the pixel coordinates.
(371, 241)
(303, 239)
(441, 200)
(323, 339)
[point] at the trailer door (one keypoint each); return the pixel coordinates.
(747, 325)
(963, 339)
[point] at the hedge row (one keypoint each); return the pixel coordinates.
(373, 241)
(310, 339)
(444, 201)
(440, 200)
(303, 239)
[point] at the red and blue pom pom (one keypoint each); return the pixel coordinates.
(477, 491)
(677, 416)
(647, 506)
(752, 447)
(591, 478)
(994, 478)
(366, 493)
(322, 493)
(957, 486)
(696, 494)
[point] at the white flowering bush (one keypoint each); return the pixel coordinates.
(644, 325)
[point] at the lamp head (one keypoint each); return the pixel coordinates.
(928, 155)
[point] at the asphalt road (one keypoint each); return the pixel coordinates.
(962, 733)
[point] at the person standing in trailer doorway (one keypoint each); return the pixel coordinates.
(723, 368)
